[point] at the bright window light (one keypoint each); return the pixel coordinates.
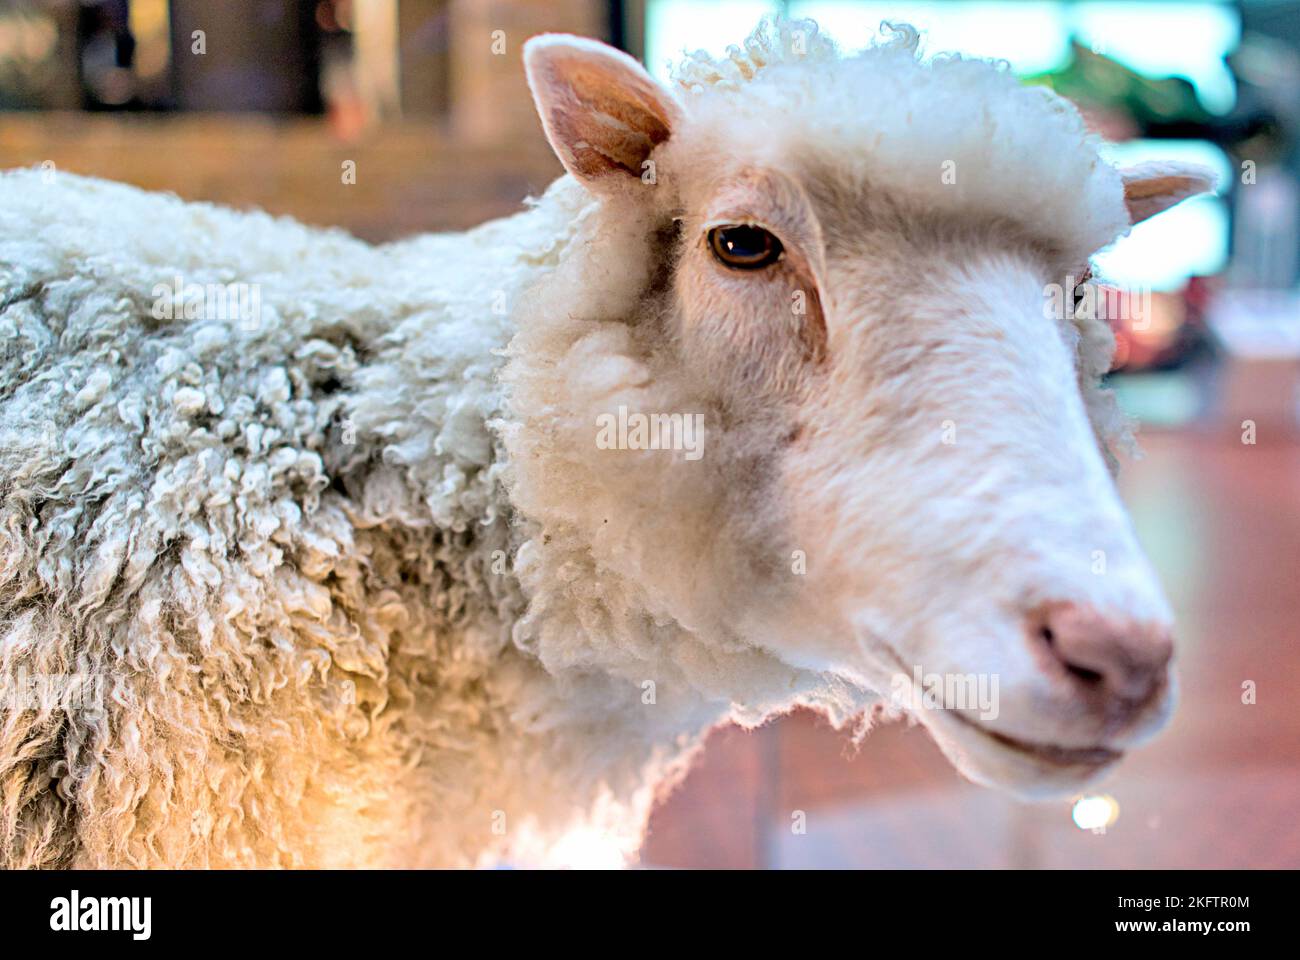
(674, 26)
(1031, 36)
(1167, 39)
(1163, 252)
(1158, 39)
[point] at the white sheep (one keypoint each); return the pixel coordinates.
(317, 553)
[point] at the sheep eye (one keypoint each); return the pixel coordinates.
(744, 247)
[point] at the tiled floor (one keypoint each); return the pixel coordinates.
(1220, 787)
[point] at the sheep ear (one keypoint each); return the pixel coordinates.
(1151, 188)
(602, 113)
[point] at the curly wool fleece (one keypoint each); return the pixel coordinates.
(335, 568)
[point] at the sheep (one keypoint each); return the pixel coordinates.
(319, 562)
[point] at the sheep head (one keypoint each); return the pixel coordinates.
(843, 267)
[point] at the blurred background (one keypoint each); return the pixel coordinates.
(264, 102)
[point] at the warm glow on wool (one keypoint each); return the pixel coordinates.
(586, 848)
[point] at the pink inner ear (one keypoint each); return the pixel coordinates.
(1146, 198)
(601, 116)
(1149, 191)
(1162, 186)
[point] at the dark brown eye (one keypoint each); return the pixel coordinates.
(744, 247)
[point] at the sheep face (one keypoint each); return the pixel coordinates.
(903, 481)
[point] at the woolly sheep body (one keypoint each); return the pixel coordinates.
(302, 639)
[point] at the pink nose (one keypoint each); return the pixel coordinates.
(1120, 665)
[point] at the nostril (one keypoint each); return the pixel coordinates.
(1125, 660)
(1083, 674)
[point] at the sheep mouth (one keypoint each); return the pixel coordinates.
(1048, 754)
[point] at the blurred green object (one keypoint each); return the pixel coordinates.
(1093, 80)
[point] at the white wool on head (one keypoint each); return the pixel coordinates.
(954, 134)
(775, 40)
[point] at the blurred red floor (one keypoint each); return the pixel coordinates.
(1219, 788)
